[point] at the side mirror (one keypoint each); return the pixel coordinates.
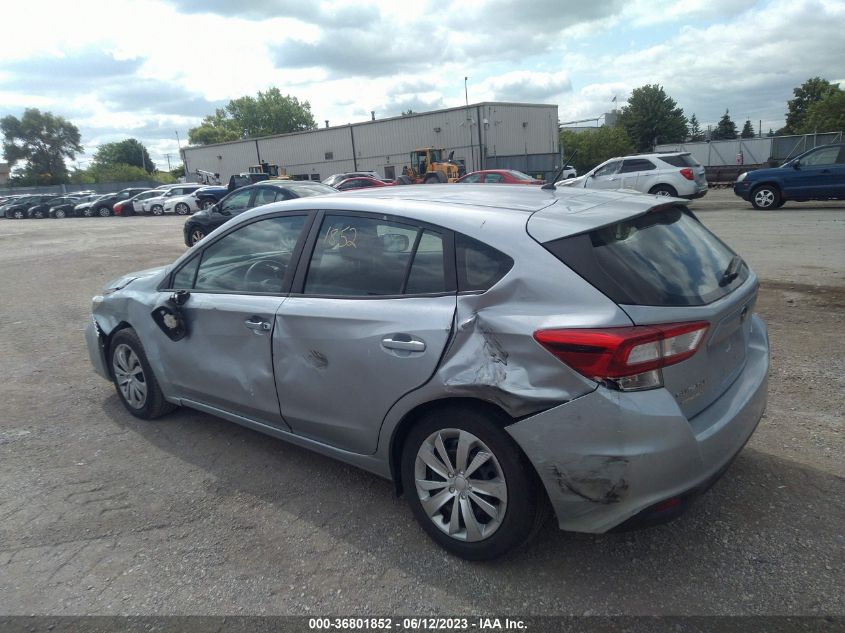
(796, 164)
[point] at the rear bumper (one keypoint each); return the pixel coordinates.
(698, 194)
(608, 456)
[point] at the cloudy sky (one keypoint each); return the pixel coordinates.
(147, 68)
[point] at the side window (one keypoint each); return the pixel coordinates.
(479, 266)
(824, 156)
(237, 202)
(472, 178)
(636, 164)
(364, 257)
(427, 271)
(254, 258)
(184, 277)
(494, 178)
(264, 195)
(608, 170)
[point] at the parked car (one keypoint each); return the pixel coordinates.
(818, 174)
(500, 176)
(245, 179)
(205, 221)
(485, 348)
(71, 207)
(103, 206)
(335, 179)
(133, 205)
(675, 174)
(42, 209)
(156, 205)
(181, 205)
(17, 210)
(210, 195)
(360, 182)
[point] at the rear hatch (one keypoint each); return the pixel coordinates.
(686, 160)
(664, 267)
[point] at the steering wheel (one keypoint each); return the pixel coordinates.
(256, 274)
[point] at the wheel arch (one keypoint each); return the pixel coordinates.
(404, 426)
(122, 325)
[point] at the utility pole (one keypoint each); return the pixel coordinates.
(168, 161)
(469, 123)
(184, 158)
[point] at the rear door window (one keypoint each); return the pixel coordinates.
(662, 258)
(636, 164)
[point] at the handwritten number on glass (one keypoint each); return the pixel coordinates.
(341, 237)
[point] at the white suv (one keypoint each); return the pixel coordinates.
(675, 174)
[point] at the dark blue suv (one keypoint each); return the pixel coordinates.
(818, 174)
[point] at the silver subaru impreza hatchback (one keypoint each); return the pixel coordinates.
(493, 350)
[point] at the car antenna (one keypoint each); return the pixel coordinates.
(551, 183)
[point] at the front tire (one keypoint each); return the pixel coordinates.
(38, 215)
(88, 213)
(59, 214)
(18, 215)
(195, 235)
(133, 377)
(766, 197)
(469, 486)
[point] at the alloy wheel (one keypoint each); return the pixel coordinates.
(59, 214)
(129, 375)
(764, 198)
(460, 485)
(196, 236)
(182, 209)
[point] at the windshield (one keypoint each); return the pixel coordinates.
(520, 176)
(316, 189)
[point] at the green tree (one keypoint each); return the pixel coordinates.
(747, 130)
(725, 130)
(810, 92)
(694, 129)
(268, 113)
(178, 171)
(827, 115)
(127, 152)
(595, 146)
(43, 140)
(771, 133)
(653, 117)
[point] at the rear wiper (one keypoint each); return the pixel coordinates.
(732, 271)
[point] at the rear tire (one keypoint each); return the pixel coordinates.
(404, 180)
(157, 209)
(663, 190)
(182, 209)
(38, 215)
(133, 377)
(18, 215)
(766, 197)
(500, 497)
(88, 213)
(59, 214)
(207, 204)
(104, 212)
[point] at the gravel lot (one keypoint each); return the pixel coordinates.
(101, 513)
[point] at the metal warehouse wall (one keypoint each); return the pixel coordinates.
(495, 130)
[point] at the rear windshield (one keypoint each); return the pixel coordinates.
(662, 258)
(520, 175)
(683, 160)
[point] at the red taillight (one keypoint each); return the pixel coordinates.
(624, 352)
(686, 172)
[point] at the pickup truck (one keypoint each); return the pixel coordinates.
(211, 195)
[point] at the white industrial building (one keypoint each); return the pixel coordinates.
(485, 135)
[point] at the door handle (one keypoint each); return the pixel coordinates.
(257, 325)
(409, 346)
